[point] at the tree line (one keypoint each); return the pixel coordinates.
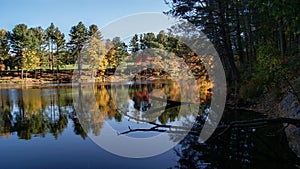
(258, 41)
(32, 48)
(29, 49)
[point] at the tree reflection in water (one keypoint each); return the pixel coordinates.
(37, 111)
(34, 112)
(238, 148)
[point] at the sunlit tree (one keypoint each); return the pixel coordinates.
(96, 52)
(79, 36)
(30, 60)
(4, 47)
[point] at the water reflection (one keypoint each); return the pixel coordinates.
(135, 103)
(40, 112)
(32, 112)
(238, 148)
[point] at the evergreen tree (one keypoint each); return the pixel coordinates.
(56, 44)
(4, 47)
(19, 39)
(134, 45)
(120, 49)
(78, 35)
(94, 32)
(212, 17)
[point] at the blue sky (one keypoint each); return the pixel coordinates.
(67, 13)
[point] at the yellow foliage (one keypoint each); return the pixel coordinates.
(102, 108)
(30, 60)
(5, 134)
(32, 102)
(2, 32)
(95, 54)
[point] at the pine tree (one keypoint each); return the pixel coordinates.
(134, 45)
(4, 47)
(79, 36)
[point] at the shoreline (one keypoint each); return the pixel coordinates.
(16, 81)
(46, 82)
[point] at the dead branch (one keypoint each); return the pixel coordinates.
(256, 123)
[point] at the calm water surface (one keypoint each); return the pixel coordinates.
(43, 128)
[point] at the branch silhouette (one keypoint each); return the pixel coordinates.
(156, 127)
(255, 123)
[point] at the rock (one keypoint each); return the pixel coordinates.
(285, 104)
(291, 108)
(293, 137)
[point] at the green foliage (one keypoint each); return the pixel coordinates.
(134, 45)
(78, 35)
(236, 28)
(55, 45)
(24, 39)
(4, 48)
(19, 38)
(93, 54)
(30, 61)
(286, 10)
(120, 49)
(36, 38)
(94, 32)
(268, 67)
(216, 19)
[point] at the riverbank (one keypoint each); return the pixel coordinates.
(276, 103)
(36, 78)
(271, 103)
(8, 81)
(290, 107)
(67, 79)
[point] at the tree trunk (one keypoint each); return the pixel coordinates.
(249, 42)
(282, 38)
(79, 64)
(239, 38)
(57, 72)
(41, 73)
(225, 33)
(22, 73)
(51, 53)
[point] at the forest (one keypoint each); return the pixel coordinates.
(257, 41)
(258, 44)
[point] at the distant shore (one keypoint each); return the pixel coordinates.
(8, 81)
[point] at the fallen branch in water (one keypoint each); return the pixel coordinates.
(225, 127)
(154, 128)
(260, 122)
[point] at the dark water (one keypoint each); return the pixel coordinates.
(45, 128)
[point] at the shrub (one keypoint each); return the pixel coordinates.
(250, 91)
(268, 68)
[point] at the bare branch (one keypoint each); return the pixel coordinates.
(256, 123)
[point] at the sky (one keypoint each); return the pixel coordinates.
(67, 13)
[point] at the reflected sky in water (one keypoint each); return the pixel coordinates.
(40, 128)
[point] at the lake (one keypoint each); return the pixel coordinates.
(64, 126)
